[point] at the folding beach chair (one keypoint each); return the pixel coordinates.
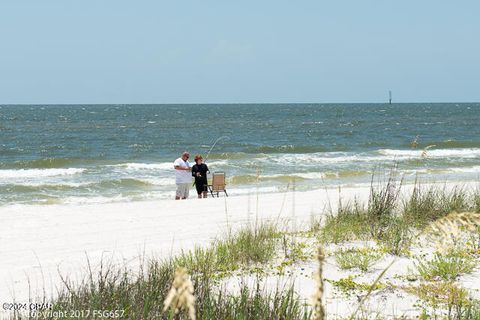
(218, 184)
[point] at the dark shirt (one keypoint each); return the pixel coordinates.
(202, 169)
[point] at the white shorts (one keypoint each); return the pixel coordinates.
(183, 190)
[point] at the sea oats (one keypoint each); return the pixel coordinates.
(181, 295)
(447, 231)
(318, 305)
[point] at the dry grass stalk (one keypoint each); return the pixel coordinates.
(181, 295)
(370, 290)
(318, 305)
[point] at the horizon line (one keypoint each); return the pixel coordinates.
(230, 103)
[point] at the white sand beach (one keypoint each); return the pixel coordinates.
(40, 243)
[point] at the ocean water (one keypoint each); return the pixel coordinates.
(53, 154)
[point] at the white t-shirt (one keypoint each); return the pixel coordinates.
(182, 176)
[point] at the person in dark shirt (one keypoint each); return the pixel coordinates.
(199, 172)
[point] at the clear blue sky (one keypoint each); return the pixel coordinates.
(113, 51)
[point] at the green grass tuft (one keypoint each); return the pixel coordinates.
(362, 259)
(445, 267)
(348, 284)
(349, 223)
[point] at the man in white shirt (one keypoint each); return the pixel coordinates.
(183, 176)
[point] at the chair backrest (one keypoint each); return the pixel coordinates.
(218, 181)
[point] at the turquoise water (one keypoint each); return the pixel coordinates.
(102, 153)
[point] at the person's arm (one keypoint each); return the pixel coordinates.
(194, 171)
(177, 166)
(182, 168)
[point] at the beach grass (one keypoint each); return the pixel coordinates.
(141, 294)
(445, 300)
(361, 258)
(395, 223)
(428, 204)
(246, 247)
(382, 202)
(392, 221)
(349, 223)
(476, 200)
(348, 284)
(444, 267)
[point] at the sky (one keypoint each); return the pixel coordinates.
(115, 51)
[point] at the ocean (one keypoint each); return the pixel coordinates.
(70, 154)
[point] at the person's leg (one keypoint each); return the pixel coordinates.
(186, 189)
(178, 193)
(205, 189)
(199, 190)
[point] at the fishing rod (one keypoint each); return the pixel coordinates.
(214, 144)
(211, 148)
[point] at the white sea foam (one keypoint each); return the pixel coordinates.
(448, 170)
(326, 157)
(217, 163)
(434, 153)
(46, 184)
(160, 181)
(75, 200)
(137, 166)
(382, 155)
(146, 166)
(474, 169)
(307, 175)
(38, 173)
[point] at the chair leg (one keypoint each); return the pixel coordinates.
(225, 192)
